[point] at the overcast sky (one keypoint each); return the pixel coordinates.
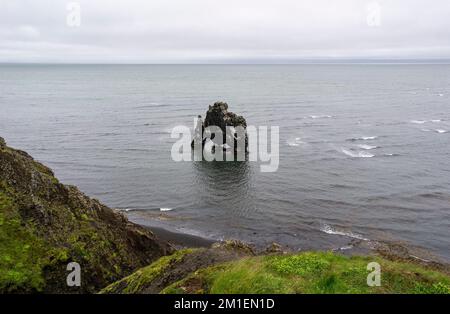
(185, 31)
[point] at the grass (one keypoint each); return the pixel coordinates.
(20, 251)
(312, 272)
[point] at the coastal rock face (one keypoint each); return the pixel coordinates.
(218, 115)
(44, 225)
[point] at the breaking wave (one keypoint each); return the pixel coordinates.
(329, 230)
(425, 121)
(296, 142)
(367, 147)
(320, 116)
(124, 209)
(357, 154)
(363, 138)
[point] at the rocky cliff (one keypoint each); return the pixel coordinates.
(44, 225)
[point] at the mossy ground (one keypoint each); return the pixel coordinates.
(136, 281)
(23, 255)
(19, 267)
(311, 272)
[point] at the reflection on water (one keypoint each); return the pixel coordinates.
(226, 185)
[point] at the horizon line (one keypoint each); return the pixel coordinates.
(299, 62)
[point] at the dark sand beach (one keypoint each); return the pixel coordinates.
(181, 239)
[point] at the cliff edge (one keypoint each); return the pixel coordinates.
(44, 225)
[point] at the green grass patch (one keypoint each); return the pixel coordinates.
(20, 265)
(311, 272)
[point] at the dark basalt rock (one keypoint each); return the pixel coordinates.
(218, 115)
(2, 143)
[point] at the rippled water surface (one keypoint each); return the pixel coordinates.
(364, 149)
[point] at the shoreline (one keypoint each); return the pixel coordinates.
(388, 249)
(179, 239)
(360, 246)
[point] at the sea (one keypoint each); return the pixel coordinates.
(364, 149)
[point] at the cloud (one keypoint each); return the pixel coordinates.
(213, 31)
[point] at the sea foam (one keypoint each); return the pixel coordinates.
(367, 147)
(363, 138)
(329, 230)
(357, 154)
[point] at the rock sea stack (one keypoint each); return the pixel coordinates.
(218, 115)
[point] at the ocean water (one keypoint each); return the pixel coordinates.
(364, 149)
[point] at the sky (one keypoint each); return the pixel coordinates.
(231, 31)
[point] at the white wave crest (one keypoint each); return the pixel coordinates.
(165, 209)
(367, 147)
(320, 116)
(296, 142)
(357, 154)
(124, 209)
(441, 131)
(425, 121)
(329, 230)
(344, 248)
(363, 138)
